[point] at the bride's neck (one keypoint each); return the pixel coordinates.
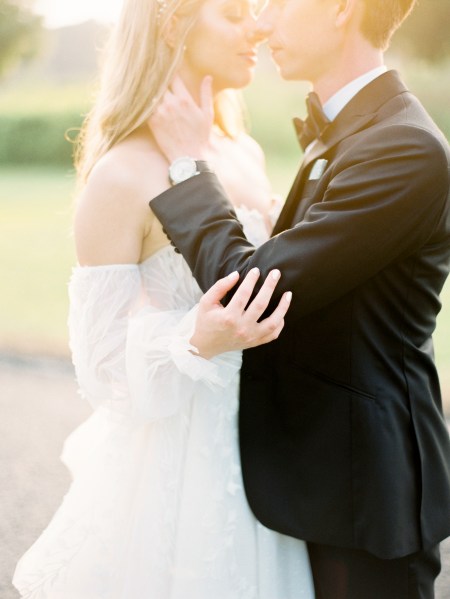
(192, 81)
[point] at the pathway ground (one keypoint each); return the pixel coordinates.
(39, 407)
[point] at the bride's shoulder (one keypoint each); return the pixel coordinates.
(133, 167)
(112, 214)
(123, 181)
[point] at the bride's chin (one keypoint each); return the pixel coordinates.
(237, 82)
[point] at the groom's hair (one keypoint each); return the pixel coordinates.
(382, 17)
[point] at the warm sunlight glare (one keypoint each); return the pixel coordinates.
(58, 13)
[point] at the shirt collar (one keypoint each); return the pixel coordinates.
(336, 103)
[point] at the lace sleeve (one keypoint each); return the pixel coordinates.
(253, 223)
(129, 356)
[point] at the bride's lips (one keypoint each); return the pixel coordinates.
(250, 57)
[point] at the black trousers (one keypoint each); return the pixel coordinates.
(353, 574)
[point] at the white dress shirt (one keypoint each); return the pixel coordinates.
(342, 97)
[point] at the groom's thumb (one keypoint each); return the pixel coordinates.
(206, 95)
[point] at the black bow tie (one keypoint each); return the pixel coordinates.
(314, 124)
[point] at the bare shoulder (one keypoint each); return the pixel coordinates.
(130, 173)
(112, 215)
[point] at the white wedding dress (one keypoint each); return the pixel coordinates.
(157, 508)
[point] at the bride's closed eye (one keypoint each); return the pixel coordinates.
(237, 11)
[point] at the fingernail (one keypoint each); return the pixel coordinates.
(233, 274)
(255, 271)
(275, 274)
(288, 297)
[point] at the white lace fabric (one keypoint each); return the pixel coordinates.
(129, 335)
(157, 508)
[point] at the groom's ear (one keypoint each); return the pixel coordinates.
(346, 10)
(171, 31)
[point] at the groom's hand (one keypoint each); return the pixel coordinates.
(236, 326)
(180, 126)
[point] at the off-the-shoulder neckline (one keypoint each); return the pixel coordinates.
(125, 266)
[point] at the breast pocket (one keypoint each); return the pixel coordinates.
(311, 194)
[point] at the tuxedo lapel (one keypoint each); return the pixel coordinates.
(337, 131)
(356, 116)
(332, 135)
(285, 218)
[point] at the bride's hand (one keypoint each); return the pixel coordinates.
(234, 327)
(182, 127)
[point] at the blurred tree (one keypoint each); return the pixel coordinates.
(426, 32)
(19, 33)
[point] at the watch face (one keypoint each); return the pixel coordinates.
(182, 169)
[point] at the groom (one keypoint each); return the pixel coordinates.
(343, 441)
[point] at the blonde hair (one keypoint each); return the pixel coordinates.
(138, 67)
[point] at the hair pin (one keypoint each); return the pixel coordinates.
(162, 6)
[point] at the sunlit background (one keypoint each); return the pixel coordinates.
(49, 52)
(58, 13)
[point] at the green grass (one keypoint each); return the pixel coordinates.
(32, 99)
(36, 255)
(442, 342)
(431, 83)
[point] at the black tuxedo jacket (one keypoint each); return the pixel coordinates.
(342, 436)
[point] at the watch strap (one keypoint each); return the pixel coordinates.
(203, 166)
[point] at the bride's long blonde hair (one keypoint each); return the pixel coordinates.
(137, 69)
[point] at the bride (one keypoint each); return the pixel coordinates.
(157, 508)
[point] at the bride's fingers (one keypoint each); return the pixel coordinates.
(259, 304)
(271, 336)
(219, 290)
(271, 327)
(271, 324)
(243, 294)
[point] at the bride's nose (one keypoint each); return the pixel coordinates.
(263, 25)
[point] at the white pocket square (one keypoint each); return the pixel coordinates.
(317, 169)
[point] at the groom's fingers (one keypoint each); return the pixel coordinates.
(181, 93)
(180, 90)
(163, 107)
(206, 95)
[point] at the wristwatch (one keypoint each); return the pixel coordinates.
(186, 167)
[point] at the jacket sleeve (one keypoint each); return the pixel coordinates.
(384, 200)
